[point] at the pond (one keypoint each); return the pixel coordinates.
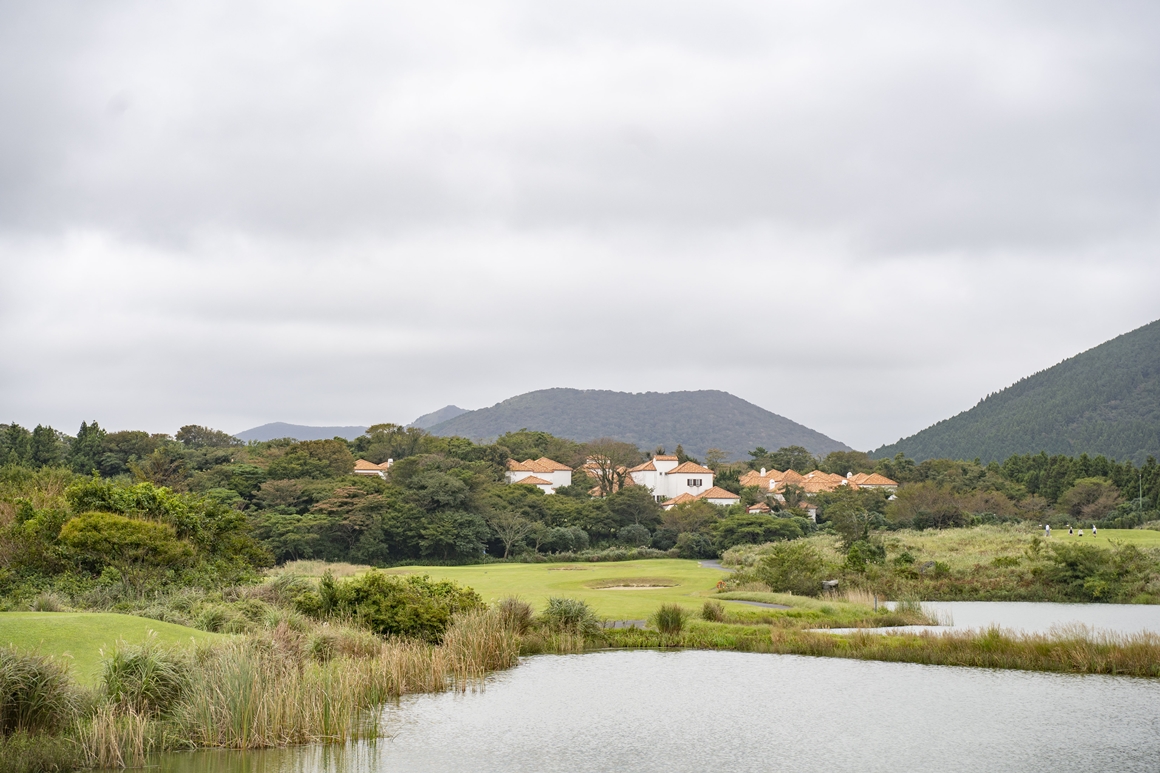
(1037, 617)
(692, 711)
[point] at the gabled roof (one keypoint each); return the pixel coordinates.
(551, 465)
(689, 468)
(363, 464)
(646, 467)
(760, 507)
(663, 458)
(791, 476)
(717, 493)
(515, 466)
(532, 480)
(680, 499)
(873, 479)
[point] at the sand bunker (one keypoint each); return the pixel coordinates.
(633, 583)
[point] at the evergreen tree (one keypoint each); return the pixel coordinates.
(17, 445)
(46, 447)
(85, 454)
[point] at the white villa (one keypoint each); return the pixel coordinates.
(544, 473)
(669, 481)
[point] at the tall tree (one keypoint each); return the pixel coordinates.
(17, 445)
(47, 450)
(85, 455)
(608, 461)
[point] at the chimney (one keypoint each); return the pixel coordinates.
(763, 472)
(849, 475)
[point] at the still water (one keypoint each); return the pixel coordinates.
(1040, 617)
(702, 711)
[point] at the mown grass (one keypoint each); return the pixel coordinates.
(80, 638)
(983, 563)
(536, 583)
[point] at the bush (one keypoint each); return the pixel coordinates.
(147, 679)
(397, 606)
(570, 615)
(864, 552)
(35, 694)
(664, 539)
(792, 567)
(669, 619)
(98, 540)
(694, 545)
(713, 611)
(634, 535)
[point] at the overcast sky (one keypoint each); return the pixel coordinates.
(861, 216)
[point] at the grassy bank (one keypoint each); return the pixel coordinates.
(989, 563)
(80, 638)
(1075, 652)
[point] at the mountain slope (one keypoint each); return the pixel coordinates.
(280, 429)
(697, 420)
(433, 418)
(1103, 401)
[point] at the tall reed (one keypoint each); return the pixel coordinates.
(36, 695)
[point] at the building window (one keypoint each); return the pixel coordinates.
(694, 482)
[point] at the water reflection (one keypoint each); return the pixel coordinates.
(697, 711)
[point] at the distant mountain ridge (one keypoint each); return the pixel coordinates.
(280, 429)
(1103, 401)
(443, 414)
(697, 420)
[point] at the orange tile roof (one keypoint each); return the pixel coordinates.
(515, 466)
(689, 468)
(363, 464)
(791, 476)
(551, 465)
(663, 458)
(646, 467)
(815, 485)
(686, 497)
(532, 480)
(717, 493)
(760, 507)
(874, 479)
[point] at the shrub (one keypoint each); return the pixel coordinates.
(695, 545)
(98, 540)
(664, 539)
(669, 619)
(35, 694)
(23, 753)
(401, 606)
(634, 535)
(48, 602)
(792, 567)
(570, 615)
(713, 611)
(147, 679)
(865, 552)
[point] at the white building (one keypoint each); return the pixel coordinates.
(667, 479)
(549, 472)
(363, 467)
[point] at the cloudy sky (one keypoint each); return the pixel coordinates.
(860, 216)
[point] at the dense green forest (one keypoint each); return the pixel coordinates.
(1103, 401)
(698, 420)
(202, 508)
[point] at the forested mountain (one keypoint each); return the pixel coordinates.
(697, 420)
(280, 429)
(433, 418)
(1103, 401)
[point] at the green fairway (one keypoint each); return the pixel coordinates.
(79, 637)
(687, 583)
(1142, 537)
(534, 583)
